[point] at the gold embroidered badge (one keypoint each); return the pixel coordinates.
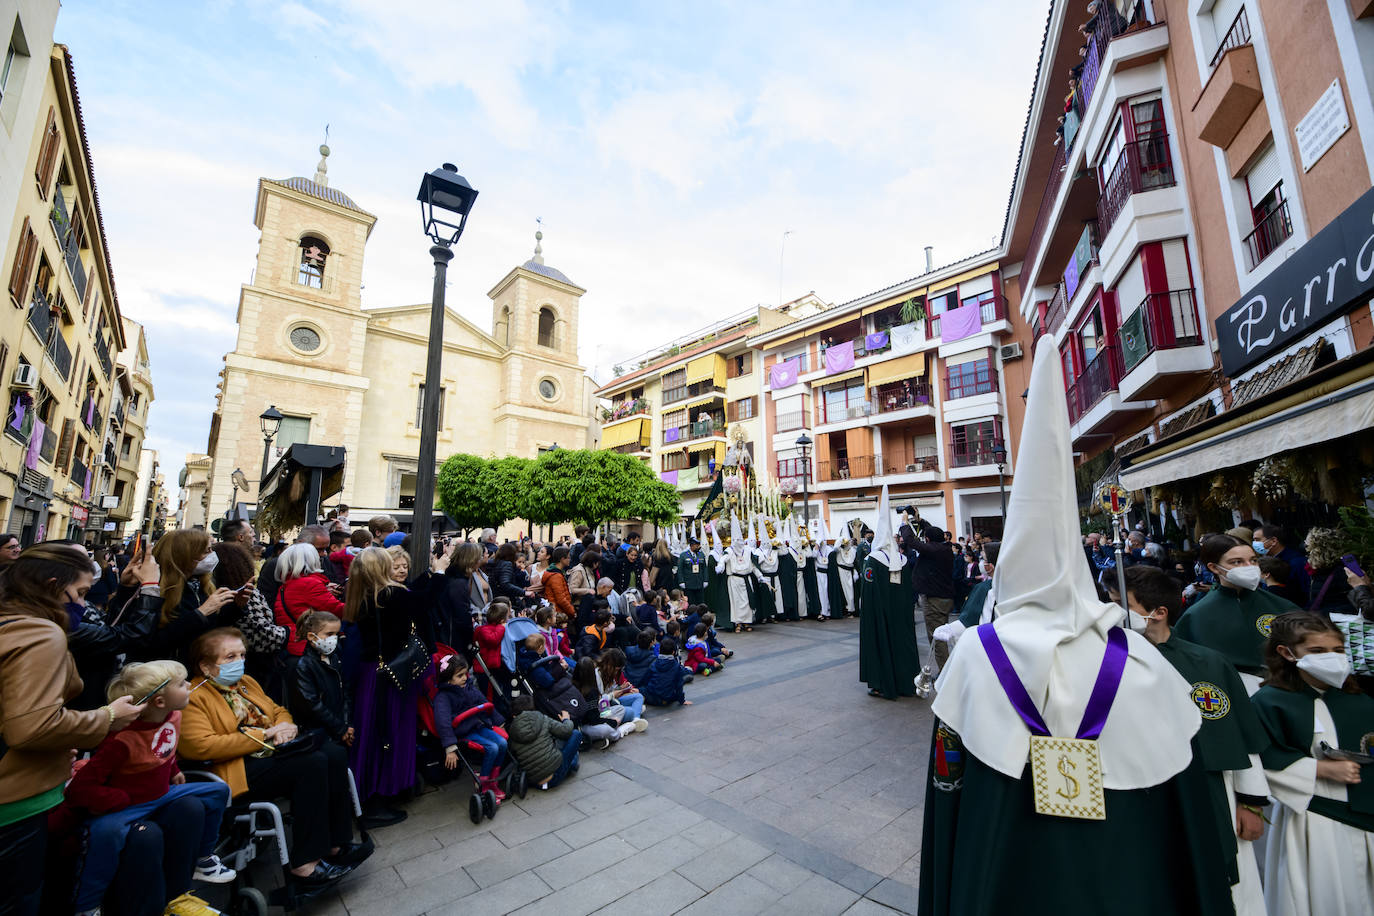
(1067, 778)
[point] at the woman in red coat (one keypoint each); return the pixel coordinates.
(303, 588)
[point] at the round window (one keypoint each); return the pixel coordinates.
(305, 339)
(548, 389)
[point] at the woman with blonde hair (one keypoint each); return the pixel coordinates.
(191, 605)
(386, 616)
(400, 564)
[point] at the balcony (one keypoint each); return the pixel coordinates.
(792, 467)
(909, 461)
(977, 452)
(700, 429)
(837, 469)
(1059, 308)
(69, 241)
(60, 355)
(842, 413)
(792, 420)
(48, 447)
(1159, 340)
(40, 315)
(79, 472)
(969, 379)
(622, 410)
(117, 415)
(1098, 378)
(102, 355)
(904, 395)
(1237, 36)
(1268, 235)
(1144, 165)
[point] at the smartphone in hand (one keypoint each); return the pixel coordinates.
(1352, 565)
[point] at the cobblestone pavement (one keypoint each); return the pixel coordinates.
(783, 789)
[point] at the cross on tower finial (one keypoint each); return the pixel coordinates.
(538, 239)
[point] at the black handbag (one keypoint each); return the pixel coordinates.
(409, 665)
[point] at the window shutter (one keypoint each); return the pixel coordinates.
(1263, 175)
(47, 155)
(64, 446)
(23, 264)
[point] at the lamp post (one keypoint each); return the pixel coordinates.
(804, 444)
(999, 455)
(269, 421)
(445, 199)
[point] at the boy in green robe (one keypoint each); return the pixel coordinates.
(1231, 738)
(888, 656)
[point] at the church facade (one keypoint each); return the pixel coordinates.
(342, 374)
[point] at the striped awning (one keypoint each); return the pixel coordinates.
(828, 380)
(625, 432)
(706, 369)
(896, 370)
(718, 448)
(704, 399)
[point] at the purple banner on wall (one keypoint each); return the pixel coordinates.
(839, 357)
(669, 477)
(956, 324)
(35, 444)
(875, 341)
(670, 435)
(784, 374)
(17, 424)
(86, 489)
(1070, 279)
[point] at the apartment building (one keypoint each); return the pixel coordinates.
(1191, 224)
(916, 386)
(128, 427)
(149, 514)
(677, 405)
(26, 28)
(57, 375)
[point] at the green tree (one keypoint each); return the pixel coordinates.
(504, 487)
(592, 487)
(459, 488)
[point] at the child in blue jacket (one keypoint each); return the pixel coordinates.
(663, 685)
(462, 713)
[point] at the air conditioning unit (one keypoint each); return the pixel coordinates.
(25, 376)
(911, 468)
(1009, 351)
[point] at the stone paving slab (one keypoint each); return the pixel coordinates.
(783, 789)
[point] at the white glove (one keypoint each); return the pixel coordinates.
(949, 632)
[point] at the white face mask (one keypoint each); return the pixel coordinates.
(1137, 622)
(1246, 577)
(1331, 668)
(326, 645)
(206, 565)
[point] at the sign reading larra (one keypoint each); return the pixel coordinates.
(1321, 279)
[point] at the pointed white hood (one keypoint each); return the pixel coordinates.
(737, 543)
(1054, 628)
(823, 548)
(884, 542)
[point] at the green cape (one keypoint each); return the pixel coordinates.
(787, 584)
(973, 604)
(888, 657)
(717, 599)
(813, 588)
(1235, 623)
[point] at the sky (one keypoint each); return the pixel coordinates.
(667, 148)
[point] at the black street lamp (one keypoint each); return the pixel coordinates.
(269, 421)
(999, 455)
(804, 444)
(445, 196)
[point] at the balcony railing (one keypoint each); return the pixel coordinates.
(902, 395)
(699, 429)
(69, 243)
(1097, 379)
(842, 412)
(48, 448)
(978, 377)
(844, 468)
(1237, 36)
(909, 461)
(1164, 321)
(40, 315)
(1143, 165)
(629, 448)
(972, 453)
(78, 475)
(1268, 235)
(791, 420)
(117, 415)
(102, 355)
(622, 409)
(792, 467)
(1042, 216)
(994, 309)
(1106, 26)
(61, 355)
(1059, 308)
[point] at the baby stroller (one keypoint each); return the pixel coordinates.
(480, 804)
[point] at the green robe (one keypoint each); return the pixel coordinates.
(1289, 717)
(1235, 623)
(833, 591)
(985, 852)
(973, 604)
(861, 552)
(888, 657)
(787, 584)
(813, 588)
(1230, 732)
(716, 597)
(761, 595)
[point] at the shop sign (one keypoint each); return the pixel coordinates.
(80, 514)
(1321, 279)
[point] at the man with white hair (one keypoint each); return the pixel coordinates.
(489, 540)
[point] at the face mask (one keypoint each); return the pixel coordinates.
(1330, 668)
(1259, 547)
(326, 645)
(75, 611)
(1246, 577)
(1137, 622)
(229, 673)
(206, 565)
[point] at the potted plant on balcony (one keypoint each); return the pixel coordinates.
(913, 310)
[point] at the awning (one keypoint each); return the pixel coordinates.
(706, 369)
(896, 370)
(886, 304)
(704, 399)
(1318, 419)
(624, 433)
(836, 379)
(717, 447)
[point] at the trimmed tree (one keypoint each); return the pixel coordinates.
(504, 484)
(459, 488)
(592, 487)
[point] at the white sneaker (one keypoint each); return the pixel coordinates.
(625, 729)
(641, 725)
(212, 871)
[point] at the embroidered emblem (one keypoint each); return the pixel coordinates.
(1264, 623)
(868, 573)
(948, 772)
(164, 743)
(1066, 775)
(1211, 700)
(1367, 743)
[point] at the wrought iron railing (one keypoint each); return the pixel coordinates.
(901, 395)
(1268, 234)
(1143, 165)
(1237, 36)
(1164, 321)
(909, 461)
(1097, 379)
(968, 379)
(60, 354)
(858, 466)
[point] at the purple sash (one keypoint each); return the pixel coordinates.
(1099, 702)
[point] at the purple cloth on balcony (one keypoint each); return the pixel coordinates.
(784, 374)
(669, 477)
(956, 324)
(86, 488)
(1071, 278)
(17, 424)
(839, 357)
(875, 341)
(35, 444)
(670, 435)
(90, 412)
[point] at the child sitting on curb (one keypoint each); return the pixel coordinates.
(542, 745)
(666, 677)
(699, 659)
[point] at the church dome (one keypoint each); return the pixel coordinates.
(319, 191)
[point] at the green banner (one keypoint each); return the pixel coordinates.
(1134, 345)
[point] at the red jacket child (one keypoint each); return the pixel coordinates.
(699, 657)
(304, 593)
(130, 767)
(489, 637)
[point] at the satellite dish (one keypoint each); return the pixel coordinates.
(239, 479)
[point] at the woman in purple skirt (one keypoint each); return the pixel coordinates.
(385, 717)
